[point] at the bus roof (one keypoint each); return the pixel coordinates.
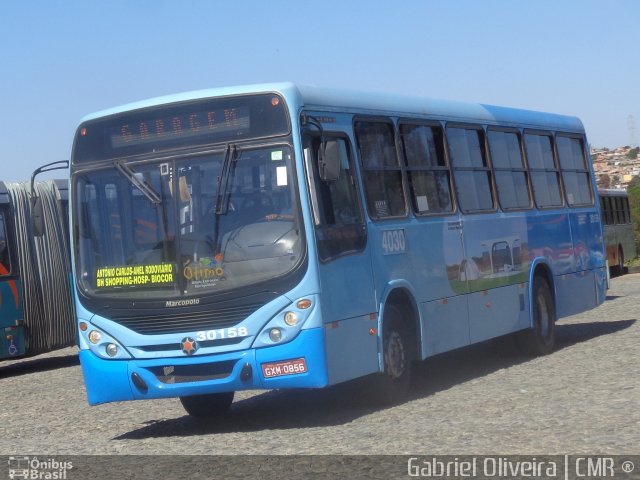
(4, 194)
(61, 184)
(324, 98)
(619, 192)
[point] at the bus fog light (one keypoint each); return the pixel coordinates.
(291, 319)
(112, 349)
(275, 335)
(95, 336)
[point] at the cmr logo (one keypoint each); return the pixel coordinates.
(594, 467)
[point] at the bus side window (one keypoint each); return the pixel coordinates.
(608, 211)
(603, 211)
(382, 176)
(427, 171)
(627, 210)
(616, 210)
(5, 263)
(545, 178)
(622, 218)
(511, 176)
(338, 217)
(470, 169)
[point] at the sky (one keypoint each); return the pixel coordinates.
(61, 60)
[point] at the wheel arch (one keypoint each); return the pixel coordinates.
(400, 295)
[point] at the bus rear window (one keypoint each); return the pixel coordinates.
(575, 174)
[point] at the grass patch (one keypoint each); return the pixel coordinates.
(633, 263)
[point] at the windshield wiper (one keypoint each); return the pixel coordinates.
(222, 198)
(138, 182)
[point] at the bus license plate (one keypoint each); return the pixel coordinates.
(286, 367)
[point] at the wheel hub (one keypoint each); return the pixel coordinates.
(394, 355)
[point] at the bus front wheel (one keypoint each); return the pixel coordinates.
(207, 406)
(392, 385)
(540, 338)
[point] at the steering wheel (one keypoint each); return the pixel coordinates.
(258, 200)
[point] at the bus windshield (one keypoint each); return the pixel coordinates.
(190, 225)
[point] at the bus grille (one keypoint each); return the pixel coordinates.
(193, 373)
(187, 322)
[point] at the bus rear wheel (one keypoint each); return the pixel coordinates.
(207, 406)
(540, 338)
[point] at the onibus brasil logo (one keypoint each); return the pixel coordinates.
(22, 467)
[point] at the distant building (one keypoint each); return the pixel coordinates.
(613, 168)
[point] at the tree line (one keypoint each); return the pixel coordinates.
(633, 190)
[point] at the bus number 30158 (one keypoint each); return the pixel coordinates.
(222, 333)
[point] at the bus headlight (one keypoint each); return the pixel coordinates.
(101, 343)
(95, 337)
(291, 319)
(275, 334)
(286, 325)
(112, 349)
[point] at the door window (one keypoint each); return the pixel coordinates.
(337, 213)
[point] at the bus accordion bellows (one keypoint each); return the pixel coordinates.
(283, 236)
(36, 308)
(619, 236)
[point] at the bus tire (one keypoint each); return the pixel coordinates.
(207, 406)
(392, 385)
(540, 338)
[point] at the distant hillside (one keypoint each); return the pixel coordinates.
(616, 168)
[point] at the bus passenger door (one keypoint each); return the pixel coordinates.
(344, 267)
(11, 310)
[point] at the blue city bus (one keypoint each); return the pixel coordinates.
(281, 236)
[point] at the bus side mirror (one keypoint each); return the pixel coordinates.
(37, 212)
(329, 161)
(37, 217)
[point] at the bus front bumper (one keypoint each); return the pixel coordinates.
(264, 368)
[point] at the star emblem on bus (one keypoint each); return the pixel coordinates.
(189, 346)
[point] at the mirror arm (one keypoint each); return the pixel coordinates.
(36, 205)
(311, 120)
(59, 165)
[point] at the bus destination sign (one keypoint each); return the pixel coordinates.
(189, 125)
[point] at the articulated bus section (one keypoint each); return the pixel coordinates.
(36, 309)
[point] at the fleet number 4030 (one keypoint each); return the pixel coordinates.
(222, 333)
(393, 241)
